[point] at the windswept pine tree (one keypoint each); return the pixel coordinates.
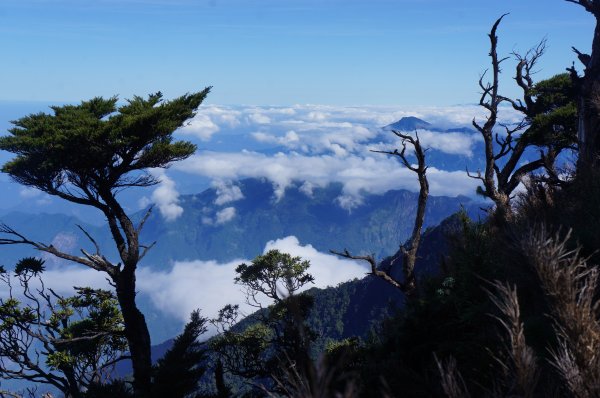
(87, 154)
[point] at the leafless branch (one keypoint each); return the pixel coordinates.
(373, 264)
(503, 154)
(92, 261)
(90, 238)
(144, 219)
(146, 249)
(408, 252)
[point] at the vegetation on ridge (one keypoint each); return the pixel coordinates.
(511, 310)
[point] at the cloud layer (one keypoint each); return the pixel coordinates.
(208, 285)
(318, 145)
(165, 196)
(204, 285)
(373, 174)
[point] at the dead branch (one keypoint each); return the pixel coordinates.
(97, 262)
(90, 238)
(144, 219)
(503, 154)
(374, 270)
(408, 251)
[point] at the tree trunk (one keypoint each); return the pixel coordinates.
(588, 107)
(136, 333)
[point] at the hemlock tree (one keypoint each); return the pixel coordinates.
(277, 337)
(177, 373)
(87, 154)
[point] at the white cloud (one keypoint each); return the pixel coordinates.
(307, 188)
(204, 285)
(373, 174)
(209, 285)
(259, 118)
(225, 116)
(317, 116)
(225, 215)
(41, 198)
(349, 202)
(191, 285)
(324, 144)
(29, 192)
(165, 196)
(144, 202)
(200, 126)
(62, 278)
(227, 192)
(453, 143)
(328, 270)
(210, 120)
(289, 140)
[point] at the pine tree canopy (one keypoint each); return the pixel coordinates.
(83, 152)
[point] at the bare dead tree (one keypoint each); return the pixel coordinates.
(499, 183)
(504, 165)
(588, 94)
(407, 252)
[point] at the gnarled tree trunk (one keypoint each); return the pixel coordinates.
(588, 97)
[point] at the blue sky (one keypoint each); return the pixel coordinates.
(280, 52)
(291, 78)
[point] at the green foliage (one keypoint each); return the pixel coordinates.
(243, 353)
(31, 265)
(274, 335)
(554, 117)
(82, 335)
(270, 273)
(113, 389)
(97, 315)
(59, 360)
(446, 320)
(177, 373)
(97, 144)
(87, 154)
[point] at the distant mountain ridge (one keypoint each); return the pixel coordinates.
(377, 226)
(412, 123)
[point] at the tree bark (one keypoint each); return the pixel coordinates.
(588, 98)
(136, 333)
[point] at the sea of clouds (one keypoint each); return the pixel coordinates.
(318, 145)
(310, 144)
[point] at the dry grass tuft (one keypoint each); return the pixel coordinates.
(571, 286)
(318, 381)
(519, 363)
(451, 379)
